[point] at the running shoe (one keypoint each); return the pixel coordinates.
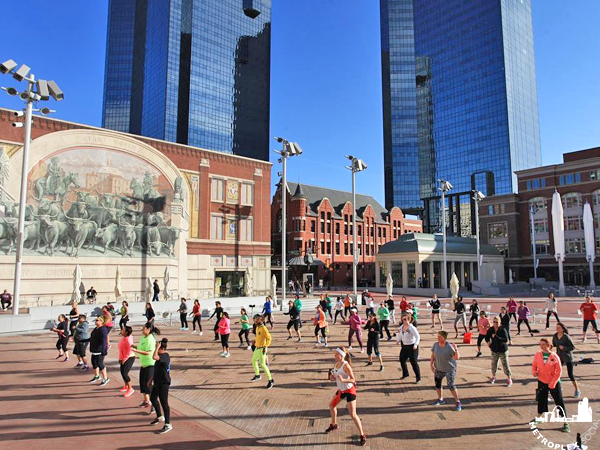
(509, 383)
(200, 334)
(519, 334)
(93, 380)
(123, 389)
(85, 368)
(317, 344)
(418, 382)
(256, 378)
(299, 339)
(362, 350)
(332, 427)
(289, 337)
(350, 348)
(181, 329)
(492, 380)
(59, 356)
(584, 340)
(381, 368)
(270, 384)
(249, 347)
(66, 359)
(441, 401)
(458, 406)
(105, 382)
(566, 428)
(151, 410)
(326, 344)
(227, 355)
(128, 393)
(222, 354)
(369, 363)
(363, 440)
(577, 393)
(78, 366)
(389, 339)
(478, 354)
(157, 420)
(144, 404)
(241, 345)
(168, 427)
(194, 332)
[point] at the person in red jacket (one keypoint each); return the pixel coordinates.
(547, 368)
(404, 305)
(589, 310)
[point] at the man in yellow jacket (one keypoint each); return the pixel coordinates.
(260, 346)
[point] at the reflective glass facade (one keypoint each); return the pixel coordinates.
(460, 102)
(195, 72)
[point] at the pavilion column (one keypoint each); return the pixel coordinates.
(430, 275)
(461, 277)
(405, 274)
(418, 272)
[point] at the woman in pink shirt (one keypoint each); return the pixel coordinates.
(484, 325)
(126, 359)
(224, 330)
(355, 328)
(511, 305)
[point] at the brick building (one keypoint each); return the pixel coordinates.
(505, 219)
(220, 202)
(319, 221)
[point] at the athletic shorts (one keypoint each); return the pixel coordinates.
(349, 395)
(80, 348)
(98, 361)
(293, 323)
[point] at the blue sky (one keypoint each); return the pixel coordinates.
(326, 76)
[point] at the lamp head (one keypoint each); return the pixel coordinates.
(11, 91)
(279, 139)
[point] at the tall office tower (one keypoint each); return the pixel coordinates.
(459, 103)
(196, 72)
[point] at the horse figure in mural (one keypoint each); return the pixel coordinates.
(60, 188)
(142, 192)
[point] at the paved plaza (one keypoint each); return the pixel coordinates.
(47, 404)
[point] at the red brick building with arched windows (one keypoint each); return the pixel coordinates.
(319, 222)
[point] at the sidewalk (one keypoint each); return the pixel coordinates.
(46, 404)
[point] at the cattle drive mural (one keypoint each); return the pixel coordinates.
(90, 202)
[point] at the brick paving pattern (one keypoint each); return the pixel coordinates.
(215, 405)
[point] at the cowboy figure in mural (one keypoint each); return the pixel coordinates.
(53, 175)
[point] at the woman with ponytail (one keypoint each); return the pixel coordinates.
(160, 389)
(145, 348)
(343, 375)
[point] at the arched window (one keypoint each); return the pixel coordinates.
(539, 204)
(596, 197)
(572, 200)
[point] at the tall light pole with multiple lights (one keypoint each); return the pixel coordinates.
(289, 149)
(356, 165)
(477, 197)
(445, 186)
(35, 92)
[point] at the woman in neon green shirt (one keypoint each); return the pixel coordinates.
(245, 331)
(145, 348)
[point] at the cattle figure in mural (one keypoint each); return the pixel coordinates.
(62, 217)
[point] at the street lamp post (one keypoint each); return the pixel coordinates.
(36, 91)
(289, 149)
(445, 186)
(477, 197)
(357, 165)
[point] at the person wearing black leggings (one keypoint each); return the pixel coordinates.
(124, 315)
(552, 309)
(245, 331)
(474, 310)
(126, 360)
(159, 397)
(564, 349)
(197, 313)
(183, 314)
(218, 312)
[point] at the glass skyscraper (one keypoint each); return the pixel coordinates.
(196, 72)
(459, 103)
